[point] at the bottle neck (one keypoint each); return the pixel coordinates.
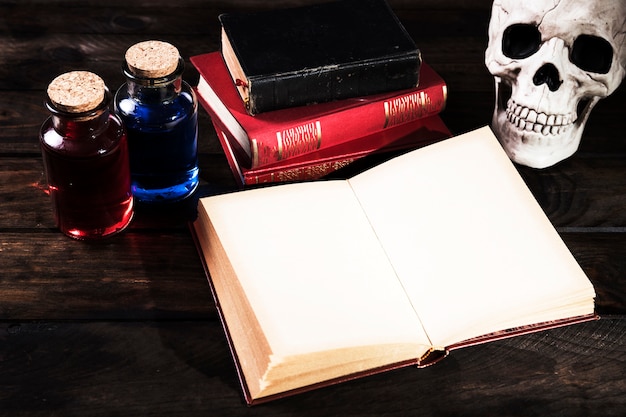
(154, 90)
(156, 93)
(76, 126)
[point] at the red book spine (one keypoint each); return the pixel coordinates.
(323, 131)
(318, 164)
(323, 162)
(304, 171)
(280, 135)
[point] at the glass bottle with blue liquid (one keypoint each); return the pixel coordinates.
(160, 113)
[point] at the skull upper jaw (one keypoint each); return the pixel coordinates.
(536, 138)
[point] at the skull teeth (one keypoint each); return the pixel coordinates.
(529, 120)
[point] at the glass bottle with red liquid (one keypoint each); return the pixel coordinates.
(85, 155)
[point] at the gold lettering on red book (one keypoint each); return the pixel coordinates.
(299, 139)
(407, 108)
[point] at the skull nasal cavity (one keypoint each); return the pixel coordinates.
(549, 75)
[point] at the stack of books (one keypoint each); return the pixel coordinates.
(295, 94)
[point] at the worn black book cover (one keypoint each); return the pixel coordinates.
(322, 52)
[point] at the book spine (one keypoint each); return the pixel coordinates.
(331, 129)
(234, 166)
(319, 164)
(320, 85)
(310, 170)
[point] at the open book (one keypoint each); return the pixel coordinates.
(435, 249)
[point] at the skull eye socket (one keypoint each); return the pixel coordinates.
(520, 41)
(593, 54)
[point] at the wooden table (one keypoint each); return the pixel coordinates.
(128, 326)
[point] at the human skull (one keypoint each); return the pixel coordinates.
(552, 61)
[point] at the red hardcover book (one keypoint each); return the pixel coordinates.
(279, 135)
(323, 162)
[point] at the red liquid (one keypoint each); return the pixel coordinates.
(88, 177)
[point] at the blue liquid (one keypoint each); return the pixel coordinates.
(162, 142)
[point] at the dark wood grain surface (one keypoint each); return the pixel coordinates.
(128, 327)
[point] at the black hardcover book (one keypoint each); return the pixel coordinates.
(323, 52)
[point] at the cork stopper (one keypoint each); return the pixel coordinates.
(77, 91)
(152, 59)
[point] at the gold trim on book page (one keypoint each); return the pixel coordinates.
(234, 68)
(318, 125)
(255, 152)
(279, 144)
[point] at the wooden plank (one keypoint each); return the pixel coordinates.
(135, 276)
(103, 54)
(251, 4)
(584, 191)
(108, 19)
(103, 18)
(603, 258)
(22, 114)
(184, 368)
(158, 274)
(100, 34)
(581, 191)
(24, 203)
